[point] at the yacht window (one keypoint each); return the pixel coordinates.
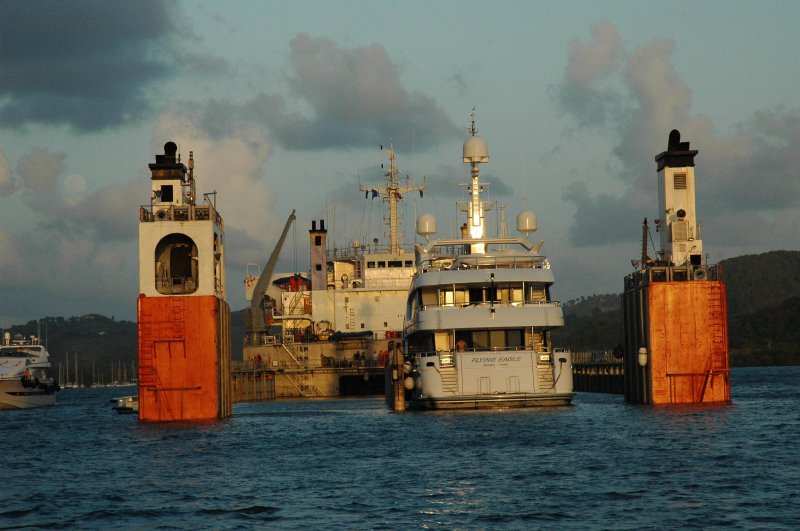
(428, 296)
(446, 297)
(497, 339)
(514, 338)
(516, 295)
(409, 263)
(480, 339)
(381, 263)
(462, 297)
(475, 295)
(370, 265)
(395, 263)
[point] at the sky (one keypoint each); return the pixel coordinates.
(286, 104)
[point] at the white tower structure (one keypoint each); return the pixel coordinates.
(678, 226)
(476, 151)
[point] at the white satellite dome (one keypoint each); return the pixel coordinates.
(476, 149)
(527, 222)
(426, 224)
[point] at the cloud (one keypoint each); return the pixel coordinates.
(344, 97)
(636, 99)
(8, 185)
(233, 165)
(589, 63)
(85, 64)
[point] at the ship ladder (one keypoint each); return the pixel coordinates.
(718, 360)
(449, 379)
(293, 354)
(305, 390)
(545, 376)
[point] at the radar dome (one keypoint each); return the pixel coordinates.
(526, 222)
(426, 224)
(476, 150)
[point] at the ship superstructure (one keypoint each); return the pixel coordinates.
(326, 332)
(674, 305)
(183, 318)
(479, 314)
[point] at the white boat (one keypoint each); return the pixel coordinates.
(24, 381)
(126, 404)
(479, 314)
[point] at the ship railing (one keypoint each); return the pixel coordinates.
(352, 252)
(401, 283)
(594, 357)
(443, 263)
(487, 304)
(662, 272)
(171, 212)
(447, 354)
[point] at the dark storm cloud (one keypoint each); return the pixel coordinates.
(637, 98)
(86, 64)
(349, 97)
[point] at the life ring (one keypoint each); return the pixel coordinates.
(345, 278)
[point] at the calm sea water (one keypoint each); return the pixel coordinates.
(353, 464)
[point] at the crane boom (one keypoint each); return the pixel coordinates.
(256, 322)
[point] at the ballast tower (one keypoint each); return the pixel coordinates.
(184, 320)
(674, 305)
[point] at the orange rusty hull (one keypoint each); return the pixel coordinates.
(683, 325)
(184, 358)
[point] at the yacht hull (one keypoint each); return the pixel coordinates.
(490, 401)
(13, 395)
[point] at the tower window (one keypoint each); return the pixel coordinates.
(176, 265)
(166, 193)
(317, 240)
(319, 267)
(680, 181)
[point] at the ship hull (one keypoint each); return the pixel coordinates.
(184, 358)
(491, 402)
(13, 395)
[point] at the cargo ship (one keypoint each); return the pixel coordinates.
(327, 332)
(479, 315)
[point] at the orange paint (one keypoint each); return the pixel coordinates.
(688, 351)
(184, 358)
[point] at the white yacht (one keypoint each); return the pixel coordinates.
(479, 314)
(24, 381)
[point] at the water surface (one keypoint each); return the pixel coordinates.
(351, 463)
